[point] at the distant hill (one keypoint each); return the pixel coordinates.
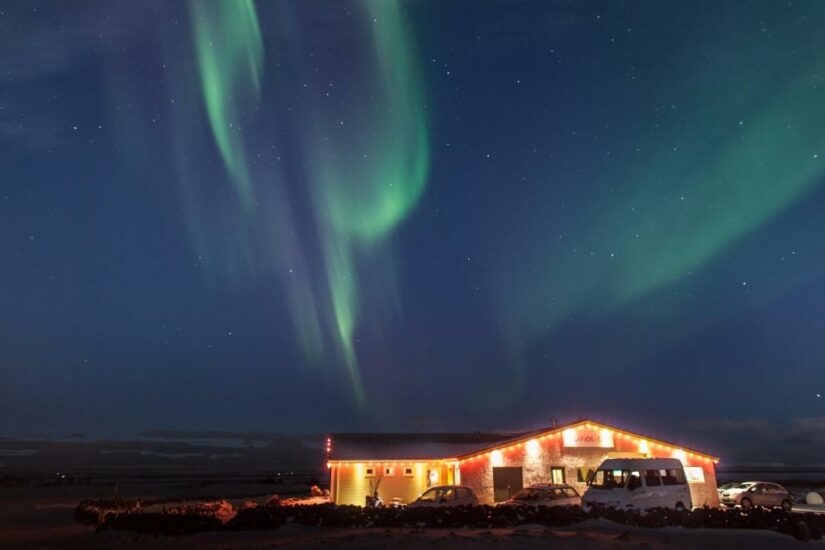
(165, 451)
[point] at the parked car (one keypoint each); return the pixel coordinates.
(446, 495)
(639, 483)
(722, 488)
(545, 494)
(757, 493)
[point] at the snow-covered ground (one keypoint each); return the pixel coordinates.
(589, 534)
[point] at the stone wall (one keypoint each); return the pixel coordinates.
(477, 473)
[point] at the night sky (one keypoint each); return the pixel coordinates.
(423, 215)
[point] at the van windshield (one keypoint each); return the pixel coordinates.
(611, 479)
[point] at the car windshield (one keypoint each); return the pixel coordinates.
(610, 479)
(526, 494)
(740, 485)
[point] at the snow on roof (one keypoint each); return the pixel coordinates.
(411, 446)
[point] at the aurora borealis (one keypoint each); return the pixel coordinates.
(398, 215)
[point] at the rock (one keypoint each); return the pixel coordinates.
(801, 532)
(814, 499)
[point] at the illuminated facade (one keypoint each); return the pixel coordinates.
(495, 466)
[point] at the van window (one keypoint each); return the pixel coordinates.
(672, 477)
(652, 478)
(610, 479)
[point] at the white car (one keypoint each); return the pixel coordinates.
(722, 488)
(639, 483)
(757, 493)
(730, 493)
(446, 495)
(545, 494)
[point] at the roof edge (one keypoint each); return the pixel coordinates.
(577, 423)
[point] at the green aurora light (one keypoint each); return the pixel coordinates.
(230, 58)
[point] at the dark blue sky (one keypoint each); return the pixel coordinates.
(342, 216)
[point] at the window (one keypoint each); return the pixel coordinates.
(652, 478)
(408, 472)
(438, 494)
(555, 492)
(369, 472)
(526, 494)
(610, 479)
(557, 475)
(583, 475)
(672, 477)
(464, 493)
(389, 470)
(694, 474)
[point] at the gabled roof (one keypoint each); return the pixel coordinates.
(523, 438)
(458, 446)
(410, 446)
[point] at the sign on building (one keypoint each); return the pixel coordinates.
(585, 437)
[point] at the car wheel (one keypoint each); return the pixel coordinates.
(680, 507)
(747, 504)
(787, 505)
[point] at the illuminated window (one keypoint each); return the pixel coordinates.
(369, 472)
(408, 472)
(583, 475)
(389, 470)
(694, 474)
(557, 475)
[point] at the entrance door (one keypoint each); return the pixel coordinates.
(507, 481)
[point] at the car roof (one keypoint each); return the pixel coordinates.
(447, 487)
(548, 486)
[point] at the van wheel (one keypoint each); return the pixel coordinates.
(787, 505)
(680, 507)
(747, 504)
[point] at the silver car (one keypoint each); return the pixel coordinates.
(446, 495)
(545, 494)
(757, 493)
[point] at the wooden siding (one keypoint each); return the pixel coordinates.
(351, 486)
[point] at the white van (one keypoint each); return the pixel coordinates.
(639, 483)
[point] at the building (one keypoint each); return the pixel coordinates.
(495, 466)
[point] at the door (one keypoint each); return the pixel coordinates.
(758, 495)
(507, 481)
(774, 495)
